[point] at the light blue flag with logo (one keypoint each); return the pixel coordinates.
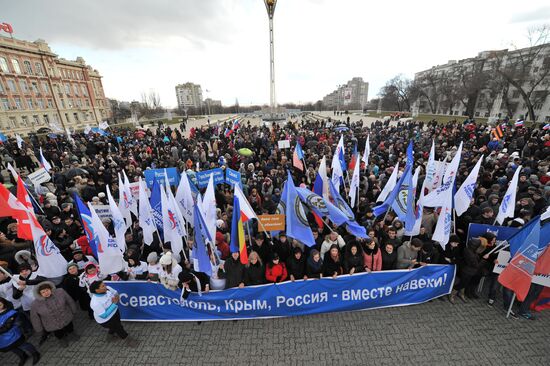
(156, 205)
(200, 253)
(297, 225)
(381, 209)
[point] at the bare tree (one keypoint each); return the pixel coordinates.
(527, 70)
(397, 94)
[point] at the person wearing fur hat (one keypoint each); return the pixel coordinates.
(104, 303)
(81, 260)
(12, 338)
(53, 311)
(170, 269)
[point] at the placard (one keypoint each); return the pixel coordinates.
(158, 174)
(232, 177)
(39, 176)
(272, 222)
(284, 144)
(204, 176)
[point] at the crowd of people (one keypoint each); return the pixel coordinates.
(87, 164)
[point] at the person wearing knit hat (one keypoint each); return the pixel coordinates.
(153, 267)
(81, 260)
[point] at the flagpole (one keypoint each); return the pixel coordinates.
(510, 307)
(454, 221)
(6, 272)
(263, 228)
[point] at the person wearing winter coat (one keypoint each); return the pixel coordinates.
(254, 273)
(275, 271)
(372, 257)
(469, 271)
(153, 267)
(81, 260)
(104, 303)
(332, 263)
(71, 285)
(314, 264)
(353, 259)
(53, 311)
(296, 265)
(233, 271)
(331, 239)
(90, 275)
(12, 338)
(389, 257)
(169, 272)
(137, 270)
(408, 253)
(23, 285)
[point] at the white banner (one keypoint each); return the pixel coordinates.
(103, 211)
(284, 144)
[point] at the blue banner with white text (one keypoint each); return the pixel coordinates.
(501, 232)
(158, 174)
(204, 176)
(146, 301)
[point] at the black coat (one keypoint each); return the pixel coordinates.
(296, 267)
(233, 273)
(254, 274)
(330, 266)
(389, 261)
(354, 261)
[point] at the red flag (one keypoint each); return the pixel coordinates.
(9, 205)
(518, 274)
(24, 230)
(543, 301)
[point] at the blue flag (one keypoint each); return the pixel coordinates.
(299, 151)
(297, 226)
(352, 226)
(86, 219)
(100, 131)
(3, 138)
(410, 156)
(200, 252)
(156, 205)
(519, 238)
(379, 210)
(544, 236)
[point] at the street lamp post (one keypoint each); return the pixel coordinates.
(338, 92)
(270, 6)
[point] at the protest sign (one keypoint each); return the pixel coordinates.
(272, 222)
(204, 176)
(146, 301)
(284, 144)
(39, 176)
(158, 174)
(103, 211)
(232, 176)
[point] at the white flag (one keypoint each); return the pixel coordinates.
(208, 206)
(545, 215)
(246, 209)
(184, 198)
(104, 125)
(366, 153)
(442, 230)
(123, 204)
(390, 184)
(132, 203)
(465, 193)
(87, 129)
(69, 138)
(172, 222)
(419, 207)
(443, 195)
(51, 263)
(322, 172)
(45, 164)
(354, 185)
(118, 221)
(430, 171)
(19, 141)
(336, 166)
(12, 171)
(109, 253)
(146, 220)
(508, 204)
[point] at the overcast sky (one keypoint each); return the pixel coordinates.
(138, 45)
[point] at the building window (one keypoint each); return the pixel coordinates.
(29, 102)
(56, 118)
(75, 115)
(35, 88)
(68, 89)
(2, 90)
(46, 119)
(87, 102)
(70, 103)
(16, 67)
(84, 90)
(40, 103)
(11, 86)
(515, 94)
(78, 103)
(75, 89)
(63, 103)
(18, 103)
(28, 67)
(85, 116)
(24, 121)
(4, 65)
(45, 87)
(50, 103)
(6, 104)
(38, 68)
(24, 86)
(36, 120)
(538, 106)
(67, 117)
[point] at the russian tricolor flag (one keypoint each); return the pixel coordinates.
(44, 163)
(519, 123)
(546, 127)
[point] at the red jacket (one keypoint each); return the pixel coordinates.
(275, 272)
